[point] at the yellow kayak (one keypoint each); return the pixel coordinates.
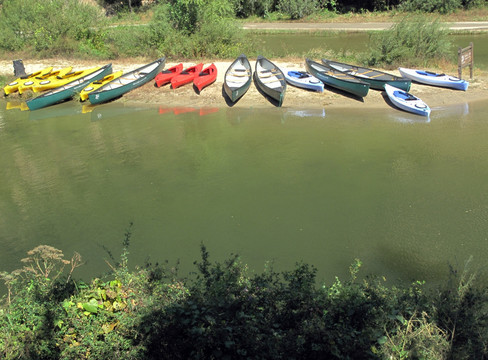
(30, 83)
(14, 85)
(96, 84)
(49, 84)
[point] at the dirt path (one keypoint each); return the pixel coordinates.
(357, 27)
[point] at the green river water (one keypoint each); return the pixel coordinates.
(405, 195)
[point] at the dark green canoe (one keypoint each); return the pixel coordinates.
(270, 79)
(375, 78)
(238, 78)
(127, 82)
(337, 79)
(68, 90)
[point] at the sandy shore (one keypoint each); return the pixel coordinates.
(294, 98)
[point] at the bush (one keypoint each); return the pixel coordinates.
(42, 25)
(297, 9)
(412, 41)
(206, 31)
(428, 6)
(225, 311)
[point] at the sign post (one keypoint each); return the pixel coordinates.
(466, 58)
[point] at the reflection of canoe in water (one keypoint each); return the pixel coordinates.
(127, 82)
(68, 90)
(114, 110)
(407, 101)
(432, 78)
(183, 110)
(65, 110)
(14, 85)
(16, 105)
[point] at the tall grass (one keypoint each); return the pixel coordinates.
(413, 41)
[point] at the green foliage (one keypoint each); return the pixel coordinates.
(412, 41)
(247, 8)
(203, 29)
(297, 9)
(43, 25)
(428, 6)
(225, 311)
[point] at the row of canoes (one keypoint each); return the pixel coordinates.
(354, 80)
(101, 85)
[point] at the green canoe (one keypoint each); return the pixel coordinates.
(238, 78)
(127, 82)
(375, 78)
(337, 79)
(270, 79)
(67, 90)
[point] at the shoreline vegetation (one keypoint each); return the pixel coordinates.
(224, 310)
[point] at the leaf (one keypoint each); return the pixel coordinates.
(91, 306)
(109, 327)
(401, 319)
(382, 340)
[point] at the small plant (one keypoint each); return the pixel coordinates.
(415, 338)
(414, 40)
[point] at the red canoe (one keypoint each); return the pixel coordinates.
(206, 77)
(186, 76)
(165, 76)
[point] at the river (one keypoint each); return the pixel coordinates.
(405, 195)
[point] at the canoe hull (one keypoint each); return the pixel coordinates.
(238, 78)
(337, 79)
(127, 82)
(186, 76)
(375, 78)
(165, 76)
(67, 91)
(14, 85)
(407, 101)
(270, 79)
(206, 77)
(98, 84)
(431, 78)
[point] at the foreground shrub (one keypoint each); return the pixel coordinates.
(412, 41)
(226, 311)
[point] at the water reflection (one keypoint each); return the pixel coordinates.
(179, 110)
(454, 110)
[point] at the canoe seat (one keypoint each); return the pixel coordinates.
(404, 95)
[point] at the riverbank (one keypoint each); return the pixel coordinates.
(295, 98)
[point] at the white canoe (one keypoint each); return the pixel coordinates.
(432, 78)
(407, 101)
(303, 80)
